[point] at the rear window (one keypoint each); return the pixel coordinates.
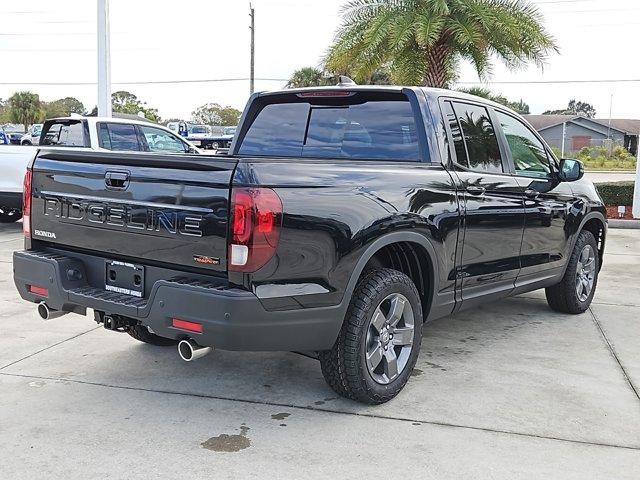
(68, 133)
(336, 128)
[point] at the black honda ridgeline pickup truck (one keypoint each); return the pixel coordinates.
(342, 219)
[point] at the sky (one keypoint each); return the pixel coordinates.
(55, 42)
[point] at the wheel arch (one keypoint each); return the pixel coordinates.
(401, 251)
(596, 223)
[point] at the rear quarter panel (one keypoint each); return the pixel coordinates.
(333, 211)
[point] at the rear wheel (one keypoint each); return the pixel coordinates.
(380, 338)
(8, 215)
(141, 333)
(575, 291)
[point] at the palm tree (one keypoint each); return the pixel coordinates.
(25, 108)
(309, 77)
(423, 41)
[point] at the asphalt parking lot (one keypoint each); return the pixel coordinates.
(511, 390)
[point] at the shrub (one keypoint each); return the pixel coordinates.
(616, 193)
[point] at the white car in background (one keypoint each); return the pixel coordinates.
(87, 133)
(32, 137)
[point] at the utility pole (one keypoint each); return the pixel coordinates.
(609, 128)
(564, 134)
(252, 14)
(104, 60)
(636, 190)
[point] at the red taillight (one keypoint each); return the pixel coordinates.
(185, 325)
(256, 217)
(43, 292)
(26, 204)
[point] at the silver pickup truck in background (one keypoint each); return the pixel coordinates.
(84, 133)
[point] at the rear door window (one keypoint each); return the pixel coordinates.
(479, 136)
(65, 134)
(118, 137)
(384, 130)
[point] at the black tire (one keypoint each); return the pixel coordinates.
(344, 367)
(9, 216)
(141, 334)
(563, 297)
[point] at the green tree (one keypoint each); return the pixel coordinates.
(4, 111)
(314, 77)
(25, 108)
(309, 77)
(574, 107)
(126, 102)
(214, 114)
(422, 41)
(520, 106)
(65, 107)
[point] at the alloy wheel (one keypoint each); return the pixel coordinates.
(390, 338)
(585, 273)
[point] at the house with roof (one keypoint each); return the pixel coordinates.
(581, 131)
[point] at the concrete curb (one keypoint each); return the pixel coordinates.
(631, 224)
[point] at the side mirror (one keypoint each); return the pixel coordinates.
(570, 170)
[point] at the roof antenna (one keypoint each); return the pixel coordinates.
(344, 81)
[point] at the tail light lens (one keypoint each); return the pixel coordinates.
(256, 219)
(26, 204)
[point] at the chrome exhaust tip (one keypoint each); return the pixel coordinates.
(189, 350)
(47, 313)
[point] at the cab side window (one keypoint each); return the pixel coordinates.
(527, 151)
(161, 141)
(479, 138)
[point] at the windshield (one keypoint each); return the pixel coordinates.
(230, 131)
(36, 130)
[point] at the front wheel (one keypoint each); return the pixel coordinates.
(574, 293)
(380, 338)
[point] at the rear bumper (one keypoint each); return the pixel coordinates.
(232, 318)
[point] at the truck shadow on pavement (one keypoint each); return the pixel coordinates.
(488, 337)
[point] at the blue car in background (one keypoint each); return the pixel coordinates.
(4, 138)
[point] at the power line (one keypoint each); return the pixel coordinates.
(40, 34)
(150, 82)
(243, 79)
(548, 82)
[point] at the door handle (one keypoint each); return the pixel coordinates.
(476, 190)
(116, 180)
(530, 193)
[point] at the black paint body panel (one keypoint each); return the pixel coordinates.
(166, 213)
(336, 215)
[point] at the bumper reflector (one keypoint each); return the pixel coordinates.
(185, 325)
(43, 292)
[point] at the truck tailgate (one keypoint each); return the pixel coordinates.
(143, 207)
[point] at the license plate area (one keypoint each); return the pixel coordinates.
(123, 277)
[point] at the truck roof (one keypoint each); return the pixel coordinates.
(433, 93)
